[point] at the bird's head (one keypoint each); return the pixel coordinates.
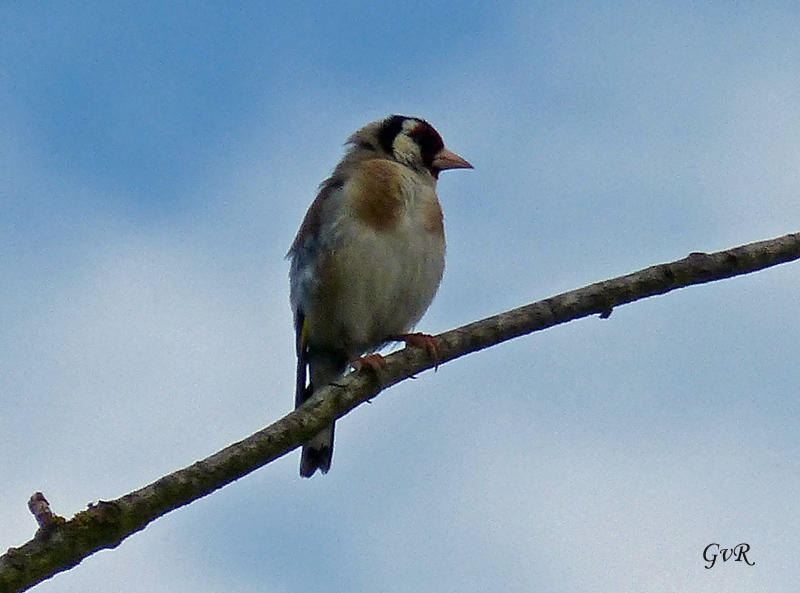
(408, 140)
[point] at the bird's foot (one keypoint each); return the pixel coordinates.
(424, 341)
(376, 362)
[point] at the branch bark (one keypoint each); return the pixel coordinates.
(61, 544)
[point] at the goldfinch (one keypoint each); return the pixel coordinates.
(368, 258)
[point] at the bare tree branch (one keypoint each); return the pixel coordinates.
(61, 544)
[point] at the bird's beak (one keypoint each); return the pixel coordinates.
(446, 159)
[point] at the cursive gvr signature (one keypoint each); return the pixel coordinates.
(738, 553)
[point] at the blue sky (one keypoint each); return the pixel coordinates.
(155, 162)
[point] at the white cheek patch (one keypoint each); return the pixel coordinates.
(409, 124)
(406, 150)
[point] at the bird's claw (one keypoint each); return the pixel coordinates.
(376, 362)
(424, 341)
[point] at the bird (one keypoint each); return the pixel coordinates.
(367, 259)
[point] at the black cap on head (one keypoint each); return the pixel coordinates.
(424, 134)
(391, 127)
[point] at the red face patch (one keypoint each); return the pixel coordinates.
(428, 140)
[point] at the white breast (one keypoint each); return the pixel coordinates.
(386, 279)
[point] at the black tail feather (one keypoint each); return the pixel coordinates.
(321, 368)
(317, 455)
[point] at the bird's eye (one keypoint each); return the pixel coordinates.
(366, 146)
(428, 140)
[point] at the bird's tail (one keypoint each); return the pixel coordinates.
(318, 451)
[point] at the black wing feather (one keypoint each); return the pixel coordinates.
(301, 392)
